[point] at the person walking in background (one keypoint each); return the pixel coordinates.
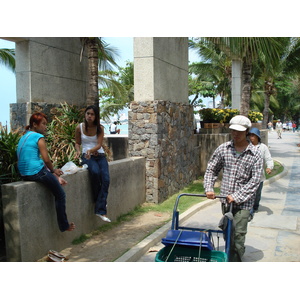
(113, 129)
(241, 163)
(294, 126)
(255, 139)
(88, 143)
(279, 128)
(270, 126)
(34, 164)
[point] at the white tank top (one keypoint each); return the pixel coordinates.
(88, 142)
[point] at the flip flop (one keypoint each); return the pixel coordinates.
(57, 254)
(53, 258)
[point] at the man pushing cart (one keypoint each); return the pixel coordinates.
(194, 244)
(242, 165)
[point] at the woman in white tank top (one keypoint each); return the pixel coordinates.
(88, 144)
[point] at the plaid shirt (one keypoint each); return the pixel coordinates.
(241, 173)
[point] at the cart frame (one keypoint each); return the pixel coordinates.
(175, 222)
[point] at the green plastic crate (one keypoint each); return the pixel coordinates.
(189, 254)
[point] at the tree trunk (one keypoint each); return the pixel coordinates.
(92, 93)
(266, 111)
(246, 89)
(269, 90)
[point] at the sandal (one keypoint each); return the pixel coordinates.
(57, 254)
(53, 258)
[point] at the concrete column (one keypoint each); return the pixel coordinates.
(161, 69)
(236, 88)
(161, 118)
(48, 72)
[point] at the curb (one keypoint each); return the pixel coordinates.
(280, 175)
(136, 252)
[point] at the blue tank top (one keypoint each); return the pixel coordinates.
(29, 161)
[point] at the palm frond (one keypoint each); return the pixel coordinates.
(107, 55)
(7, 58)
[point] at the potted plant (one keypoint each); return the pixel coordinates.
(255, 116)
(208, 115)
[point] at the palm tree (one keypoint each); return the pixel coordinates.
(7, 58)
(247, 50)
(286, 67)
(100, 57)
(214, 69)
(117, 90)
(288, 91)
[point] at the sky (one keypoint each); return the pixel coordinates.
(7, 86)
(8, 79)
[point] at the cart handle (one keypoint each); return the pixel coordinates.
(175, 219)
(193, 195)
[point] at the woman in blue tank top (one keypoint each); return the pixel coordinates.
(34, 164)
(89, 136)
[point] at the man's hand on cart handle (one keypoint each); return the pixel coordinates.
(229, 199)
(210, 195)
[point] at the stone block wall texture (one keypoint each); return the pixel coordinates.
(162, 132)
(208, 143)
(20, 113)
(29, 211)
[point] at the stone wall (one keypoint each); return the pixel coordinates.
(20, 113)
(162, 132)
(208, 143)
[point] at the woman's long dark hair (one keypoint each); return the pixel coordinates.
(97, 118)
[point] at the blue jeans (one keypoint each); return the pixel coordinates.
(48, 179)
(99, 176)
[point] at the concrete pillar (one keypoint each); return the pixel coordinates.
(48, 72)
(161, 118)
(161, 69)
(236, 88)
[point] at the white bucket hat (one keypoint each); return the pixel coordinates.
(239, 123)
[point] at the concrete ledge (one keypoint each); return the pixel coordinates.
(118, 145)
(29, 211)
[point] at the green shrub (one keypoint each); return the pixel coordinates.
(8, 165)
(8, 156)
(61, 134)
